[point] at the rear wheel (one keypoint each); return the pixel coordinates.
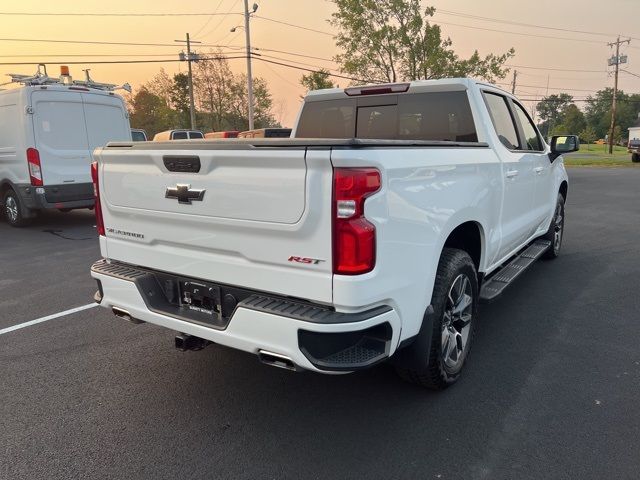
(437, 356)
(635, 158)
(556, 230)
(13, 210)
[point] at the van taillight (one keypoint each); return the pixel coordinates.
(354, 237)
(35, 170)
(96, 194)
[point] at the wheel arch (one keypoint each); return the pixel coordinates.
(468, 236)
(564, 187)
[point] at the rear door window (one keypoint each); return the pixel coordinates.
(195, 135)
(60, 124)
(502, 120)
(106, 121)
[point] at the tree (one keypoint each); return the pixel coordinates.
(317, 80)
(552, 109)
(393, 40)
(150, 112)
(588, 135)
(572, 122)
(161, 85)
(179, 95)
(598, 110)
(262, 104)
(213, 85)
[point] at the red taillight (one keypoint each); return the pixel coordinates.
(354, 237)
(35, 170)
(96, 193)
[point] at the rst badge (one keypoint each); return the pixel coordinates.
(306, 260)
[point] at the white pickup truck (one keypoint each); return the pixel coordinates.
(371, 234)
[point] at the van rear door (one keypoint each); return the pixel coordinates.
(105, 120)
(61, 137)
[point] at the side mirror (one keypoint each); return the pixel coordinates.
(561, 144)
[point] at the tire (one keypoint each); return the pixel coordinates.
(64, 210)
(429, 361)
(635, 158)
(555, 233)
(12, 209)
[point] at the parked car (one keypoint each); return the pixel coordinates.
(371, 235)
(138, 135)
(222, 134)
(266, 133)
(179, 134)
(634, 149)
(49, 128)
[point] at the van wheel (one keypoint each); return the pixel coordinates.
(13, 210)
(635, 158)
(435, 359)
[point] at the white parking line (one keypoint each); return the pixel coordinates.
(48, 317)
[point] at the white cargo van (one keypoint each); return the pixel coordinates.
(48, 131)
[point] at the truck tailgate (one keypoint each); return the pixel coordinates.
(229, 215)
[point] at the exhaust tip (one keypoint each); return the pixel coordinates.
(125, 315)
(276, 360)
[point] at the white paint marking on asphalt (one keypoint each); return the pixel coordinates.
(48, 317)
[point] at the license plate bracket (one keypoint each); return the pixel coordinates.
(201, 298)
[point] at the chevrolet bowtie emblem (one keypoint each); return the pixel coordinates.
(184, 193)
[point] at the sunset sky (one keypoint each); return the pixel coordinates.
(571, 62)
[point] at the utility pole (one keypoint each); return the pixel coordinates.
(247, 34)
(513, 83)
(616, 60)
(190, 57)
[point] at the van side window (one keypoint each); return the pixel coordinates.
(195, 135)
(502, 120)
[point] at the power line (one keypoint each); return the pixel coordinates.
(209, 19)
(555, 69)
(294, 54)
(520, 24)
(523, 34)
(314, 71)
(294, 25)
(229, 12)
(96, 62)
(112, 14)
(100, 42)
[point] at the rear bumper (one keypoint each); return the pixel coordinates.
(313, 337)
(76, 195)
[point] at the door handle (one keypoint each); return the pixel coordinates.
(512, 173)
(538, 170)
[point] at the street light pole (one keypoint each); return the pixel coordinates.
(249, 76)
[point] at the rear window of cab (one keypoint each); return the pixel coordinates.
(416, 116)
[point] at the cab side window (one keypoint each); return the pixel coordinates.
(531, 136)
(502, 120)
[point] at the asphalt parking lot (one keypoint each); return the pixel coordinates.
(551, 390)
